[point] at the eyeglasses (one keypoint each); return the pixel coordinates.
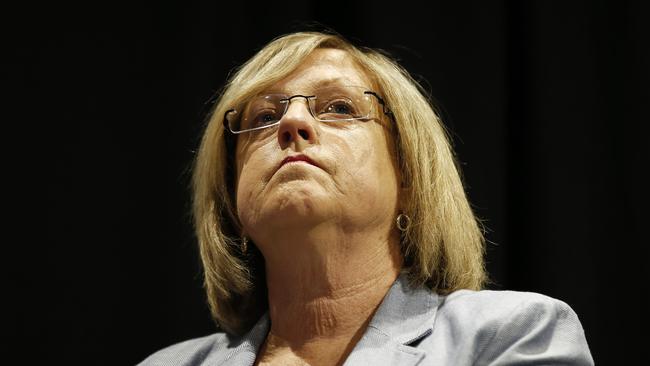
(331, 104)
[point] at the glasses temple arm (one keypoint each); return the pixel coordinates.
(384, 107)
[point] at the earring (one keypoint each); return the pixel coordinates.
(244, 245)
(403, 222)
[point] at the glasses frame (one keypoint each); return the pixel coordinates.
(381, 101)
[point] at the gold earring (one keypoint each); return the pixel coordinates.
(403, 222)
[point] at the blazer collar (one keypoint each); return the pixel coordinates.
(406, 315)
(242, 350)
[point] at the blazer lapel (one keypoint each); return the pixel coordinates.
(405, 316)
(242, 351)
(376, 348)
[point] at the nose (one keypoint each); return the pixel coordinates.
(297, 125)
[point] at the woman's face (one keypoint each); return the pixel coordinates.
(343, 173)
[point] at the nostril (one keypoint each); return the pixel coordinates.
(286, 136)
(303, 134)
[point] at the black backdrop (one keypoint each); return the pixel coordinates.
(546, 101)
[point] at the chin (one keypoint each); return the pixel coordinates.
(295, 207)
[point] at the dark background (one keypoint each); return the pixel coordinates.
(547, 101)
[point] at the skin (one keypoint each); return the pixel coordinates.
(327, 232)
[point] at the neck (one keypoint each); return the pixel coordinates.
(324, 286)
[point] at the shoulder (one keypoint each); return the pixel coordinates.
(502, 305)
(512, 327)
(508, 311)
(215, 349)
(187, 353)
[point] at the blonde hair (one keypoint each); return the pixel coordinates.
(443, 247)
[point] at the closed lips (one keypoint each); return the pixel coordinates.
(298, 158)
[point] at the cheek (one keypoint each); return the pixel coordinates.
(366, 170)
(246, 185)
(253, 167)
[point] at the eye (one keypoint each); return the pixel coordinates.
(338, 109)
(263, 118)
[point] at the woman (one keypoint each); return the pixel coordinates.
(334, 227)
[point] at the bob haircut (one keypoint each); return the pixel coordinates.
(443, 247)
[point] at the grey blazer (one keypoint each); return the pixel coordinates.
(414, 326)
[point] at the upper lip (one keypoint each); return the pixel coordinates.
(299, 157)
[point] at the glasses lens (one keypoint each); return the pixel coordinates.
(341, 103)
(331, 104)
(260, 112)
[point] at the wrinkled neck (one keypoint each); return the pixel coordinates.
(327, 285)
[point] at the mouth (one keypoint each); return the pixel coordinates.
(298, 159)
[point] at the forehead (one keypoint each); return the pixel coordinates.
(322, 67)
